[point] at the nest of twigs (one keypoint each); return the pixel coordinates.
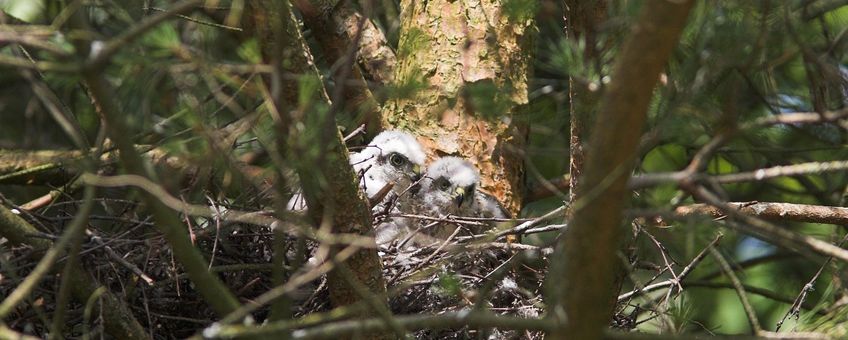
(130, 257)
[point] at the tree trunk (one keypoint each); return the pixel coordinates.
(582, 19)
(582, 286)
(469, 62)
(331, 194)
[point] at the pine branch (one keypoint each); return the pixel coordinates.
(589, 244)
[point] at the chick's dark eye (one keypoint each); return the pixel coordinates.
(444, 185)
(397, 160)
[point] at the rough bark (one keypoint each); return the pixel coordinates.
(470, 60)
(332, 194)
(375, 56)
(585, 300)
(343, 34)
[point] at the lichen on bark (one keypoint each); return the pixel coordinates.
(469, 61)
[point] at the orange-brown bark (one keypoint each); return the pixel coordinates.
(470, 60)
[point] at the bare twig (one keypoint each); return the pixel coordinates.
(289, 287)
(118, 320)
(8, 333)
(795, 309)
(412, 322)
(292, 225)
(338, 30)
(43, 66)
(647, 180)
(737, 285)
(46, 263)
(523, 227)
(676, 281)
(117, 257)
(770, 232)
(777, 211)
(112, 47)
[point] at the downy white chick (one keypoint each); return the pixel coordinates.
(391, 157)
(450, 187)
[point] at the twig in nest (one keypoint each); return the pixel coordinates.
(380, 195)
(355, 132)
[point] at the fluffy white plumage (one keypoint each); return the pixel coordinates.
(450, 187)
(391, 157)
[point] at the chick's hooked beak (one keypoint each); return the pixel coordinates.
(416, 179)
(459, 196)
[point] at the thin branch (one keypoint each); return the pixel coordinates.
(413, 322)
(810, 168)
(740, 290)
(764, 336)
(795, 309)
(775, 211)
(652, 179)
(118, 320)
(750, 289)
(113, 46)
(822, 7)
(216, 294)
(11, 36)
(290, 286)
(772, 233)
(523, 227)
(693, 172)
(676, 281)
(8, 333)
(46, 263)
(293, 224)
(338, 30)
(43, 66)
(790, 118)
(115, 256)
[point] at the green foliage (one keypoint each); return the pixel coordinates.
(566, 58)
(490, 100)
(519, 10)
(412, 42)
(249, 51)
(448, 284)
(163, 37)
(412, 81)
(26, 10)
(737, 61)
